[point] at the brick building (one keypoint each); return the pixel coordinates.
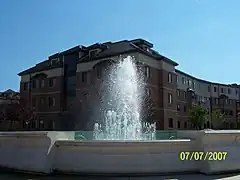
(64, 88)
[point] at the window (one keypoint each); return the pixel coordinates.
(179, 124)
(238, 125)
(185, 94)
(51, 102)
(185, 125)
(193, 84)
(34, 83)
(236, 92)
(170, 123)
(215, 101)
(183, 80)
(178, 93)
(84, 76)
(178, 107)
(147, 49)
(238, 105)
(177, 78)
(147, 71)
(197, 97)
(226, 101)
(52, 82)
(54, 61)
(41, 83)
(42, 101)
(92, 53)
(80, 54)
(206, 99)
(188, 82)
(34, 102)
(208, 88)
(221, 90)
(230, 101)
(41, 122)
(215, 89)
(229, 91)
(169, 77)
(33, 124)
(170, 98)
(185, 109)
(25, 86)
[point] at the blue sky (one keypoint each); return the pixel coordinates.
(203, 36)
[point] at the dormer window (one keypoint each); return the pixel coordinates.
(80, 54)
(54, 61)
(146, 48)
(93, 53)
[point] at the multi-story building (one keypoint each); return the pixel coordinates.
(67, 83)
(210, 95)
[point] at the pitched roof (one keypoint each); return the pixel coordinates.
(122, 47)
(108, 49)
(38, 68)
(9, 94)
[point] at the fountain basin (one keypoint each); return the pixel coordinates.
(123, 157)
(47, 152)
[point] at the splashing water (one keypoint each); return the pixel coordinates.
(123, 98)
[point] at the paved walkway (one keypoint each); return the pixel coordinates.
(191, 177)
(170, 177)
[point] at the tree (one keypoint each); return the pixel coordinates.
(217, 118)
(198, 115)
(17, 112)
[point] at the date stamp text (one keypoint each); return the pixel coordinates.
(202, 156)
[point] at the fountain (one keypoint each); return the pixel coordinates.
(124, 142)
(123, 90)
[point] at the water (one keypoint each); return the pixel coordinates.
(123, 97)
